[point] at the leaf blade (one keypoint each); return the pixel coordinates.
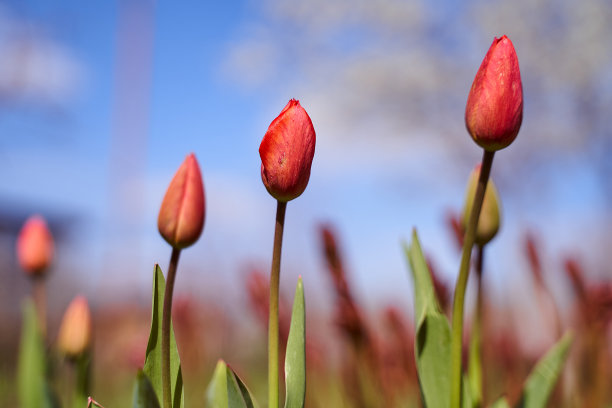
(144, 395)
(543, 377)
(433, 335)
(295, 357)
(152, 366)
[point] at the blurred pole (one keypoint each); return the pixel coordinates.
(130, 128)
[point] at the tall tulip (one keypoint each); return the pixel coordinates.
(493, 117)
(286, 152)
(180, 223)
(35, 250)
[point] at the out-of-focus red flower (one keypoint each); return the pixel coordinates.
(533, 256)
(181, 216)
(75, 331)
(35, 246)
(494, 109)
(286, 151)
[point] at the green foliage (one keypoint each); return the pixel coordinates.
(433, 336)
(226, 390)
(295, 358)
(33, 389)
(82, 386)
(543, 378)
(152, 366)
(144, 394)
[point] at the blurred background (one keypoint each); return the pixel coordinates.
(99, 105)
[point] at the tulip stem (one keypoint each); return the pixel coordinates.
(475, 364)
(40, 302)
(273, 389)
(166, 318)
(462, 279)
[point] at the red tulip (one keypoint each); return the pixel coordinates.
(35, 246)
(494, 110)
(286, 153)
(75, 331)
(181, 216)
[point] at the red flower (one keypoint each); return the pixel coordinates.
(286, 153)
(181, 216)
(494, 110)
(34, 246)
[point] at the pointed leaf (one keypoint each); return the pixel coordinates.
(226, 390)
(543, 378)
(424, 293)
(433, 335)
(152, 366)
(144, 394)
(32, 386)
(295, 357)
(216, 393)
(501, 403)
(246, 394)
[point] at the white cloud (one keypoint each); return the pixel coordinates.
(34, 67)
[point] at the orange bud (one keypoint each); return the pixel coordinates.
(35, 246)
(75, 331)
(494, 109)
(286, 153)
(181, 216)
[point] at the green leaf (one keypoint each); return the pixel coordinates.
(433, 335)
(144, 394)
(543, 378)
(32, 387)
(295, 357)
(83, 378)
(467, 399)
(226, 390)
(475, 365)
(152, 366)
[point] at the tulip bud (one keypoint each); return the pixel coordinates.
(286, 153)
(489, 220)
(181, 216)
(34, 246)
(75, 331)
(494, 109)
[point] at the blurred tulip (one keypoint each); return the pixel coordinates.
(75, 331)
(489, 220)
(181, 216)
(286, 151)
(35, 246)
(494, 110)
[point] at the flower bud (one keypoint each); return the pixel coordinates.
(489, 220)
(286, 153)
(75, 331)
(34, 246)
(181, 216)
(494, 109)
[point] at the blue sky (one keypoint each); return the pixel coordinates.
(385, 88)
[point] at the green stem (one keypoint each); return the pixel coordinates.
(166, 318)
(475, 365)
(40, 303)
(273, 393)
(462, 279)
